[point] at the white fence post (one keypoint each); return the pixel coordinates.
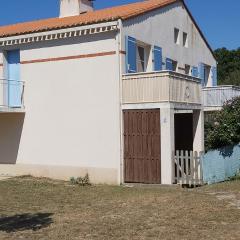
(188, 168)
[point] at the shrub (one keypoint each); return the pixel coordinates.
(224, 130)
(81, 181)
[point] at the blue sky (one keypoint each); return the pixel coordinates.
(218, 19)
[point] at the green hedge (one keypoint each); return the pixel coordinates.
(224, 129)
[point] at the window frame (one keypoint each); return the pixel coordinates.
(187, 66)
(139, 61)
(147, 56)
(176, 36)
(175, 65)
(185, 40)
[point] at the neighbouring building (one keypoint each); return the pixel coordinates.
(112, 92)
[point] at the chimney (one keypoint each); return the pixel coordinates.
(75, 7)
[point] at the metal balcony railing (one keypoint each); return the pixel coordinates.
(215, 97)
(11, 94)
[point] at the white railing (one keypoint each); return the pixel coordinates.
(217, 96)
(162, 86)
(188, 168)
(11, 94)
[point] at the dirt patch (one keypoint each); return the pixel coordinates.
(232, 198)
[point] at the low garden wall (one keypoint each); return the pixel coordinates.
(220, 165)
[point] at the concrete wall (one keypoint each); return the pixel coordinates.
(160, 87)
(157, 28)
(72, 110)
(220, 165)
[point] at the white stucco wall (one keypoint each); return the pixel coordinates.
(157, 28)
(72, 121)
(72, 106)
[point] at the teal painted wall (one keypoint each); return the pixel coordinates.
(220, 165)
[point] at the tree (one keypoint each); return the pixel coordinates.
(228, 66)
(224, 130)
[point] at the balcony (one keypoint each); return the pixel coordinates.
(164, 86)
(11, 96)
(215, 97)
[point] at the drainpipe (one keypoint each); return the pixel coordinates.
(119, 57)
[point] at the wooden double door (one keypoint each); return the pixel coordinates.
(142, 146)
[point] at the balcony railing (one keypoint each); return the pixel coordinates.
(164, 86)
(215, 97)
(11, 95)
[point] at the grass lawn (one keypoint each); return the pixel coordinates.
(44, 209)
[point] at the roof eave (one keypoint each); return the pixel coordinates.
(59, 28)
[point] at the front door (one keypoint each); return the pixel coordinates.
(14, 85)
(142, 146)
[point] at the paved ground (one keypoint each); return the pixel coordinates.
(40, 209)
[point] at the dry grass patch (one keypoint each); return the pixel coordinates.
(45, 209)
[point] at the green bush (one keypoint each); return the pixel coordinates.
(224, 129)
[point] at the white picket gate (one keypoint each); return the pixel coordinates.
(188, 168)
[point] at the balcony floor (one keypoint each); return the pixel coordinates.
(5, 109)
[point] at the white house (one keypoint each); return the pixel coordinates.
(112, 92)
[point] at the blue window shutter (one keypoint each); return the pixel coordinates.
(194, 71)
(157, 58)
(214, 76)
(14, 85)
(13, 60)
(201, 73)
(169, 64)
(131, 55)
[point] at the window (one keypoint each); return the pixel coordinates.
(137, 56)
(207, 70)
(141, 61)
(176, 36)
(13, 74)
(169, 64)
(143, 57)
(204, 73)
(185, 39)
(187, 69)
(174, 66)
(195, 71)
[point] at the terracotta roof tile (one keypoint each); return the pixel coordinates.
(109, 14)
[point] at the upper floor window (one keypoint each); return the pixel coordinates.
(187, 69)
(137, 56)
(204, 73)
(171, 65)
(207, 70)
(12, 73)
(207, 74)
(174, 66)
(176, 36)
(185, 39)
(141, 59)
